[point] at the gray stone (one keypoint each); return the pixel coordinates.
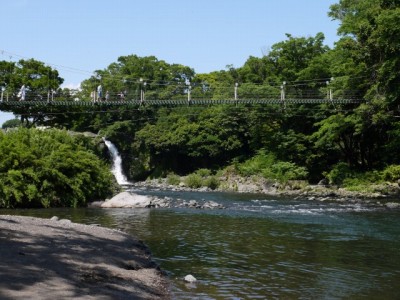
(190, 278)
(212, 205)
(323, 182)
(393, 205)
(192, 203)
(65, 221)
(128, 200)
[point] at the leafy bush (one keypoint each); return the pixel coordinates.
(49, 168)
(363, 182)
(269, 167)
(284, 171)
(212, 182)
(194, 181)
(257, 164)
(339, 173)
(11, 123)
(173, 179)
(203, 172)
(391, 173)
(297, 184)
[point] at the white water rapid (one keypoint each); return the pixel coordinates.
(117, 163)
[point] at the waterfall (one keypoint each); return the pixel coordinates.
(117, 163)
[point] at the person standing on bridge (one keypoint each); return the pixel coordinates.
(99, 92)
(107, 96)
(22, 93)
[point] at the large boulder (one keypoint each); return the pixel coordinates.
(128, 200)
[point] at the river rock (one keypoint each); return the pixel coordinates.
(393, 205)
(128, 200)
(323, 182)
(212, 205)
(160, 202)
(190, 278)
(192, 204)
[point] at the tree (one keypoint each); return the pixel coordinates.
(131, 74)
(368, 55)
(7, 76)
(39, 78)
(293, 55)
(11, 123)
(49, 168)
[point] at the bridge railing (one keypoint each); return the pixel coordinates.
(172, 102)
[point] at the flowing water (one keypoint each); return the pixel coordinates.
(260, 247)
(117, 163)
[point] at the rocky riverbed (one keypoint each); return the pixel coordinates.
(292, 189)
(133, 200)
(57, 259)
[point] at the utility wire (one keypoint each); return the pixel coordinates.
(159, 82)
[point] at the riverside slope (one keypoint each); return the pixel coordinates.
(50, 259)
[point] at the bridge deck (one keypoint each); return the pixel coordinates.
(201, 102)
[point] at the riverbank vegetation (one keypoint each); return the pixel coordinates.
(50, 168)
(354, 145)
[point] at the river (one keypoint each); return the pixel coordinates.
(262, 247)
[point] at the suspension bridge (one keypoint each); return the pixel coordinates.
(14, 104)
(39, 109)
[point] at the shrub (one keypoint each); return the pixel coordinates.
(339, 173)
(362, 182)
(297, 184)
(269, 167)
(257, 164)
(49, 168)
(194, 181)
(173, 179)
(203, 172)
(284, 171)
(212, 182)
(391, 173)
(11, 124)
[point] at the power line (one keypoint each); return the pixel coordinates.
(181, 83)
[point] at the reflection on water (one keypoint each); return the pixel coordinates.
(264, 248)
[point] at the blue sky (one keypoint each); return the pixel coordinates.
(78, 37)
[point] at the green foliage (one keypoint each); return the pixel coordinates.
(183, 140)
(284, 171)
(11, 123)
(266, 165)
(163, 80)
(49, 168)
(363, 182)
(339, 173)
(203, 172)
(194, 181)
(173, 179)
(35, 75)
(212, 182)
(391, 173)
(296, 139)
(257, 164)
(200, 178)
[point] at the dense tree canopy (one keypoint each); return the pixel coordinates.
(38, 78)
(312, 139)
(49, 168)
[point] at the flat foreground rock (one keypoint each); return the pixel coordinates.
(50, 259)
(127, 200)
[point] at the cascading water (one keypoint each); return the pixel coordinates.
(117, 163)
